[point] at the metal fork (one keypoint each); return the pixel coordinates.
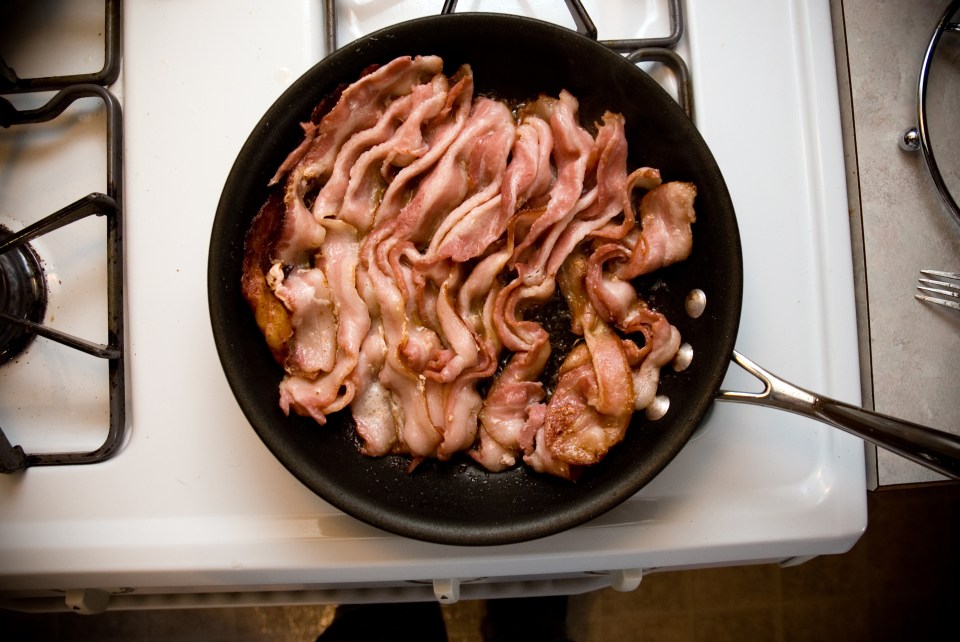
(943, 292)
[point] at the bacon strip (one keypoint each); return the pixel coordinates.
(602, 382)
(572, 148)
(332, 391)
(665, 236)
(360, 107)
(469, 173)
(393, 270)
(306, 294)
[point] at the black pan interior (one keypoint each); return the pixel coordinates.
(456, 502)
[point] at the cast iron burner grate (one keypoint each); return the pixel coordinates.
(10, 83)
(659, 50)
(23, 294)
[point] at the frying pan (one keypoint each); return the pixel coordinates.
(457, 502)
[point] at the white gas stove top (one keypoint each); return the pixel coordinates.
(195, 505)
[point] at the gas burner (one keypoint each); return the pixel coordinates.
(23, 295)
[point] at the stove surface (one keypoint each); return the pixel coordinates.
(194, 499)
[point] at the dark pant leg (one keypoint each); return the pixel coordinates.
(387, 622)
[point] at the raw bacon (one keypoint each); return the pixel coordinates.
(398, 266)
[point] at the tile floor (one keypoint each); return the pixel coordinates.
(901, 582)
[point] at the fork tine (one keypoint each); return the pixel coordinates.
(929, 299)
(946, 275)
(944, 293)
(953, 288)
(955, 295)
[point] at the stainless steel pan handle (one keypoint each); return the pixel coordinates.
(935, 449)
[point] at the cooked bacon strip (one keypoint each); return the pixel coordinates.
(529, 174)
(440, 133)
(615, 300)
(474, 163)
(423, 103)
(591, 407)
(663, 340)
(517, 389)
(475, 306)
(360, 107)
(574, 433)
(333, 390)
(416, 227)
(665, 235)
(519, 334)
(610, 192)
(572, 149)
(293, 158)
(306, 294)
(470, 235)
(271, 316)
(417, 435)
(463, 406)
(406, 152)
(472, 167)
(645, 178)
(510, 412)
(396, 136)
(372, 403)
(459, 336)
(606, 350)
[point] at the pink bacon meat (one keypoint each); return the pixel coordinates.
(412, 232)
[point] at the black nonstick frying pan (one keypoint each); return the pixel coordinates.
(457, 502)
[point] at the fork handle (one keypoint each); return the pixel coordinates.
(934, 449)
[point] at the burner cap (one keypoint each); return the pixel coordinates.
(22, 294)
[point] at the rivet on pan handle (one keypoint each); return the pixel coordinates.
(934, 449)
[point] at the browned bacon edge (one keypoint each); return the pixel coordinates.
(271, 316)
